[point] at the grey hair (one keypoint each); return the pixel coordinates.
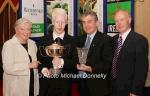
(58, 12)
(21, 21)
(91, 13)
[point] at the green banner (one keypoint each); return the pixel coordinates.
(37, 28)
(113, 7)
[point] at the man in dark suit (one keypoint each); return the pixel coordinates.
(99, 58)
(130, 62)
(52, 85)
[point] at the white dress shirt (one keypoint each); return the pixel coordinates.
(124, 35)
(55, 35)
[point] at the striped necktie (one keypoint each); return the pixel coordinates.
(116, 54)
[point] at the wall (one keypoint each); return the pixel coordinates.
(142, 15)
(142, 22)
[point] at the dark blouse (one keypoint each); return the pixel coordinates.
(31, 88)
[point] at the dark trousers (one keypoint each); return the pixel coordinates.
(116, 91)
(85, 91)
(54, 87)
(82, 87)
(31, 89)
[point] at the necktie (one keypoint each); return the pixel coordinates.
(116, 54)
(58, 40)
(88, 42)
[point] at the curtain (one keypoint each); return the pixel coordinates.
(8, 16)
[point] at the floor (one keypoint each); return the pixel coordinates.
(75, 92)
(74, 88)
(1, 85)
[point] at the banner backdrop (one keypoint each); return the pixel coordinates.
(64, 4)
(112, 7)
(105, 10)
(94, 5)
(34, 11)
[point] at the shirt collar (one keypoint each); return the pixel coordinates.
(60, 35)
(124, 35)
(92, 35)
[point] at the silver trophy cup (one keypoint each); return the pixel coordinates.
(54, 50)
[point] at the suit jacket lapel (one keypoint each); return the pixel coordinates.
(82, 40)
(49, 39)
(126, 42)
(116, 41)
(65, 39)
(93, 44)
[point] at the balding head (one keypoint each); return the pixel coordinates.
(124, 12)
(122, 20)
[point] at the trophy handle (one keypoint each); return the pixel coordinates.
(67, 50)
(40, 50)
(46, 50)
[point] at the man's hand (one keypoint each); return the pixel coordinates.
(46, 72)
(84, 67)
(131, 94)
(57, 62)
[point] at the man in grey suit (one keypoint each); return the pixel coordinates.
(130, 62)
(99, 58)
